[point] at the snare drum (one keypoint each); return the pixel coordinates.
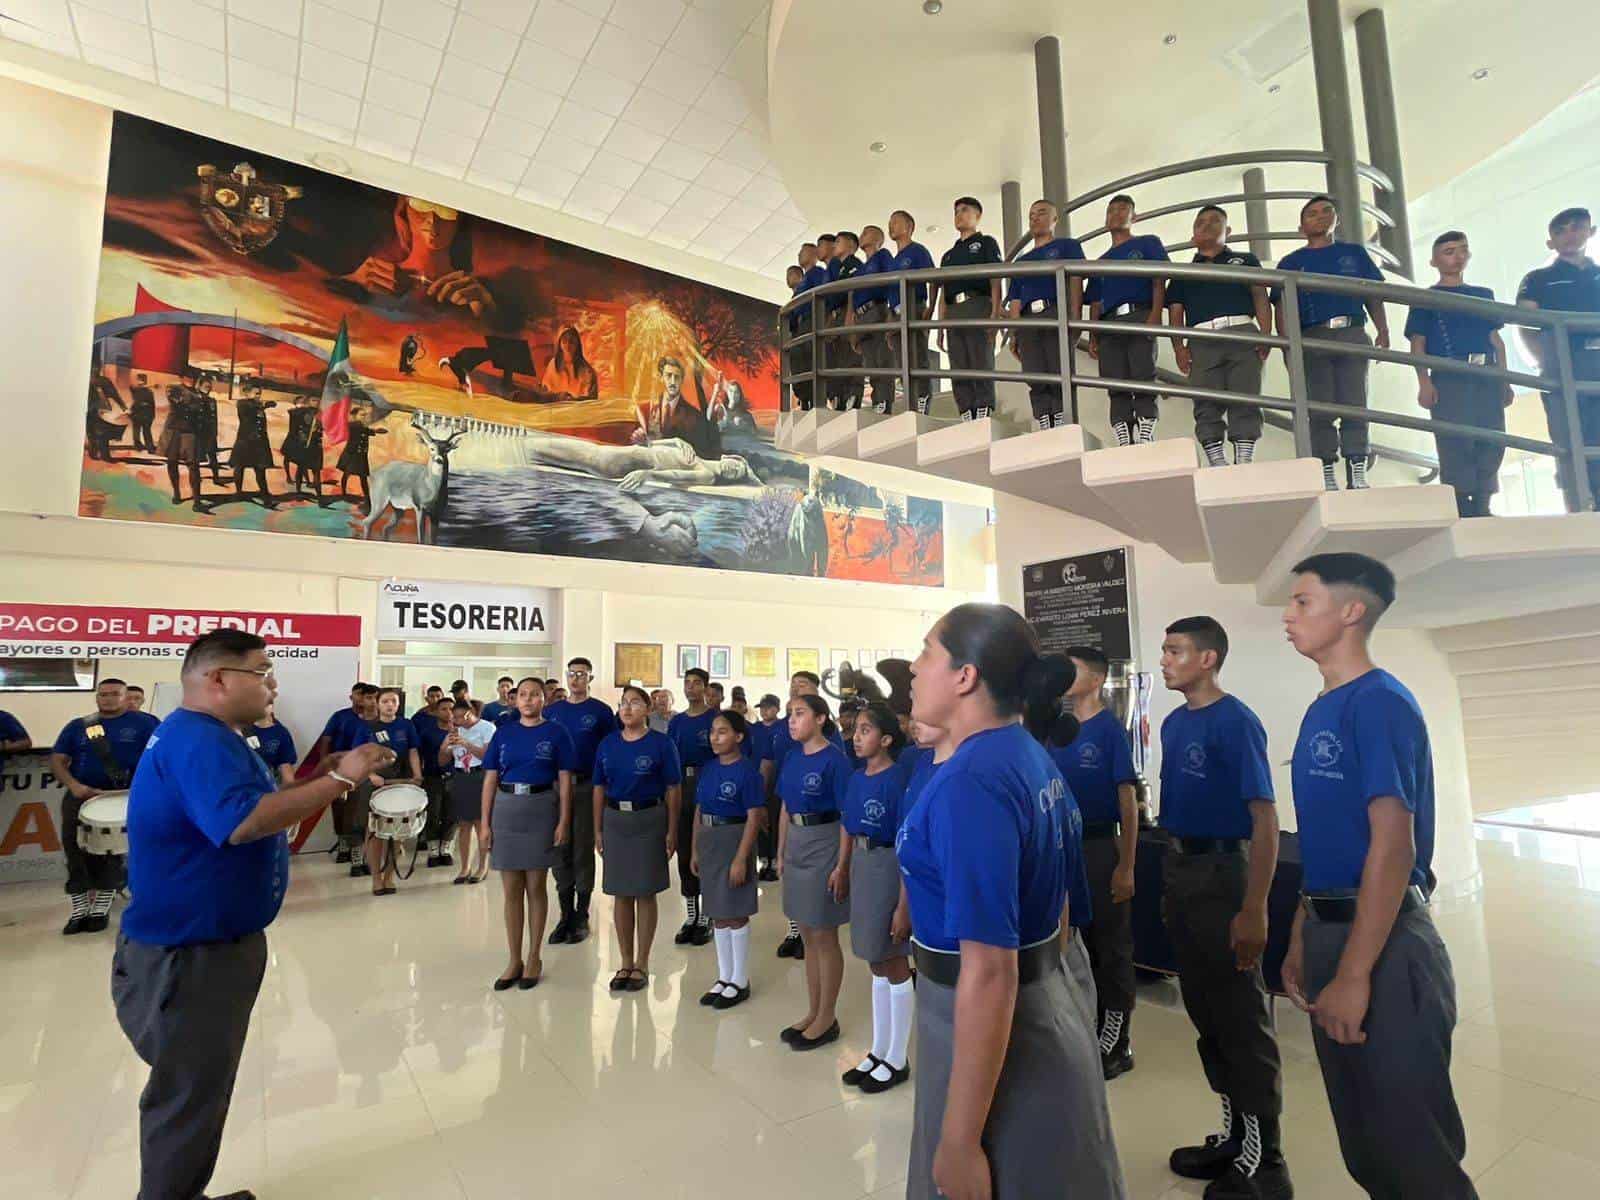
(397, 811)
(103, 824)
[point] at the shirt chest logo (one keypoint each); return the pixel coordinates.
(1194, 759)
(643, 763)
(1326, 749)
(1349, 265)
(545, 751)
(874, 811)
(727, 789)
(812, 783)
(1089, 755)
(586, 723)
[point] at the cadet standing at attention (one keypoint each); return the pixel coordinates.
(1572, 284)
(690, 732)
(1128, 300)
(587, 721)
(842, 393)
(1469, 466)
(1217, 804)
(970, 349)
(801, 357)
(1221, 366)
(1034, 296)
(1365, 959)
(1329, 317)
(870, 306)
(911, 256)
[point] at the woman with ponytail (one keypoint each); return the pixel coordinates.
(1010, 1101)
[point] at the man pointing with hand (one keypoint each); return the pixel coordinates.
(208, 865)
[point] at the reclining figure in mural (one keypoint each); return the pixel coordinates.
(671, 460)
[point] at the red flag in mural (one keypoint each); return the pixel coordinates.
(163, 348)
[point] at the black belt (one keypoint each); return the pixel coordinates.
(706, 818)
(816, 818)
(582, 776)
(1205, 845)
(1341, 910)
(944, 966)
(865, 841)
(632, 805)
(958, 297)
(1101, 829)
(861, 308)
(527, 789)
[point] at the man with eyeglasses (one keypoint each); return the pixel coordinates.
(208, 867)
(588, 721)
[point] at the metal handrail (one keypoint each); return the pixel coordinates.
(1212, 162)
(1287, 286)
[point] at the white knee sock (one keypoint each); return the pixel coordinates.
(901, 1001)
(739, 956)
(723, 938)
(880, 1016)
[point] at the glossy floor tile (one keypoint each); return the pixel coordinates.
(380, 1064)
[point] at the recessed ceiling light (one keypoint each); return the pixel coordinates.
(933, 7)
(1170, 40)
(878, 147)
(324, 161)
(1275, 89)
(933, 229)
(1481, 73)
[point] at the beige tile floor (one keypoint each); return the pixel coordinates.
(381, 1065)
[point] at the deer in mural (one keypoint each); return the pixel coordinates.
(419, 487)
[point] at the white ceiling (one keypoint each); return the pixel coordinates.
(646, 116)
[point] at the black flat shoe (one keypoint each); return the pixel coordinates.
(503, 985)
(872, 1085)
(739, 996)
(619, 981)
(802, 1042)
(74, 925)
(579, 932)
(792, 947)
(789, 1034)
(685, 932)
(96, 922)
(700, 935)
(462, 879)
(1116, 1063)
(526, 984)
(714, 993)
(855, 1075)
(637, 980)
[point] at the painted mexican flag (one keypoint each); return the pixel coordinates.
(336, 385)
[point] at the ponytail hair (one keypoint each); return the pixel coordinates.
(1003, 648)
(820, 706)
(884, 720)
(735, 720)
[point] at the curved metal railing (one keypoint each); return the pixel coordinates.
(1559, 328)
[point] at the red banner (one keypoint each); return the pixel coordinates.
(166, 626)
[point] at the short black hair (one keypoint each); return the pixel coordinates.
(803, 245)
(1448, 236)
(1354, 570)
(458, 705)
(1090, 657)
(433, 687)
(718, 685)
(531, 679)
(701, 672)
(736, 722)
(397, 693)
(580, 662)
(1216, 208)
(460, 685)
(973, 201)
(119, 682)
(810, 677)
(214, 649)
(879, 228)
(1206, 633)
(770, 701)
(368, 689)
(132, 687)
(845, 233)
(1122, 198)
(498, 682)
(792, 269)
(1569, 216)
(1319, 199)
(548, 682)
(900, 212)
(824, 237)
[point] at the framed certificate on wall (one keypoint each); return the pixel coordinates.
(637, 662)
(804, 660)
(761, 662)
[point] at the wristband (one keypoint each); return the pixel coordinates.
(349, 784)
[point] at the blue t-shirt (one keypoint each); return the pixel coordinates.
(731, 791)
(815, 782)
(587, 723)
(639, 770)
(1113, 291)
(197, 782)
(430, 739)
(917, 765)
(872, 803)
(400, 735)
(1080, 908)
(880, 261)
(1042, 287)
(274, 743)
(498, 714)
(1096, 762)
(1454, 335)
(1213, 764)
(11, 730)
(125, 735)
(758, 740)
(342, 729)
(692, 737)
(533, 754)
(779, 745)
(983, 854)
(1358, 742)
(914, 257)
(1339, 258)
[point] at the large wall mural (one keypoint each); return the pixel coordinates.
(280, 349)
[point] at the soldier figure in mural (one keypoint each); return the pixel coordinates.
(302, 448)
(143, 414)
(251, 449)
(205, 426)
(178, 444)
(353, 459)
(103, 398)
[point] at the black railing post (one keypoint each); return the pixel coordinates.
(1295, 359)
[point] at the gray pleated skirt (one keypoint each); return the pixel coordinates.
(524, 831)
(1049, 1132)
(1080, 978)
(718, 846)
(465, 789)
(874, 895)
(809, 857)
(635, 845)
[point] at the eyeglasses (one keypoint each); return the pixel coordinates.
(261, 673)
(578, 675)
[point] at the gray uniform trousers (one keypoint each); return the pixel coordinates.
(1224, 367)
(921, 357)
(186, 1010)
(800, 360)
(1201, 893)
(1399, 1128)
(1129, 356)
(876, 352)
(1040, 353)
(971, 350)
(1585, 366)
(1337, 379)
(1470, 466)
(575, 869)
(840, 392)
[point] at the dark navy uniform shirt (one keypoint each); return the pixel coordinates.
(125, 735)
(400, 735)
(430, 740)
(1080, 908)
(587, 723)
(984, 851)
(1359, 742)
(731, 791)
(872, 803)
(779, 744)
(1338, 258)
(914, 257)
(1094, 764)
(692, 737)
(1213, 764)
(11, 730)
(758, 739)
(1566, 288)
(882, 261)
(533, 754)
(1042, 287)
(498, 714)
(1206, 299)
(815, 782)
(197, 782)
(972, 251)
(274, 743)
(841, 268)
(1111, 292)
(342, 730)
(636, 770)
(1452, 334)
